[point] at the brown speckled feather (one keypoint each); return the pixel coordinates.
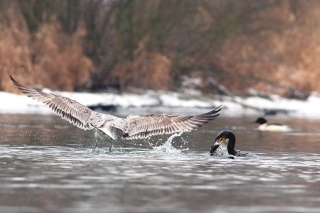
(68, 109)
(146, 126)
(132, 127)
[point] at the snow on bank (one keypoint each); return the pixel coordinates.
(170, 102)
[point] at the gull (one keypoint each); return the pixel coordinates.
(111, 128)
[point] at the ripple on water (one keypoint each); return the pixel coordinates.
(190, 179)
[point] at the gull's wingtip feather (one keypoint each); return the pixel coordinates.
(219, 108)
(14, 81)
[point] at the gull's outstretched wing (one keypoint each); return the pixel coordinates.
(68, 109)
(145, 126)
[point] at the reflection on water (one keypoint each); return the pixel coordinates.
(48, 165)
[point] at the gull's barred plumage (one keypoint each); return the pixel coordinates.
(132, 127)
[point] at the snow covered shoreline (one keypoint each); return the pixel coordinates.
(170, 102)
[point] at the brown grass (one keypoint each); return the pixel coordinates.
(285, 50)
(49, 58)
(291, 58)
(59, 60)
(148, 71)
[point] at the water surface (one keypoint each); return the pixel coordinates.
(47, 165)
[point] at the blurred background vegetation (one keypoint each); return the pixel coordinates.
(272, 46)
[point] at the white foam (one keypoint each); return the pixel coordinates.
(167, 147)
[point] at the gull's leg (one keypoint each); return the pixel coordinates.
(95, 147)
(99, 135)
(96, 137)
(111, 147)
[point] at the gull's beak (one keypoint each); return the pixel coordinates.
(216, 144)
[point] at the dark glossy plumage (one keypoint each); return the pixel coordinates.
(228, 139)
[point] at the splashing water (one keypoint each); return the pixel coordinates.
(167, 146)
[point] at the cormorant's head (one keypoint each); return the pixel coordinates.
(261, 121)
(225, 137)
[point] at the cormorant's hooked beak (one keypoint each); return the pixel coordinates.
(216, 144)
(213, 148)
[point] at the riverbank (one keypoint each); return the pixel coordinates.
(157, 102)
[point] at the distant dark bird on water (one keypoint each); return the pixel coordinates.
(111, 128)
(274, 127)
(226, 139)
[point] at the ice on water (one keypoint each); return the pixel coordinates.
(171, 101)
